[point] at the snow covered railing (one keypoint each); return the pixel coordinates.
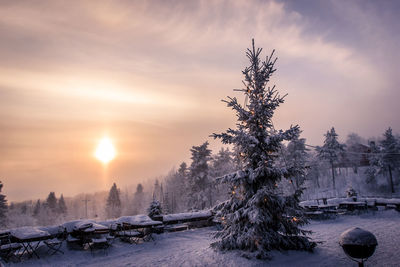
(137, 221)
(336, 201)
(342, 205)
(187, 217)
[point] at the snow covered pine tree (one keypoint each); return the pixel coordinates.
(199, 185)
(295, 158)
(256, 218)
(331, 151)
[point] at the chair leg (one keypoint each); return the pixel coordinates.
(54, 249)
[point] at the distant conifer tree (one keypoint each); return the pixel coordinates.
(62, 207)
(138, 197)
(198, 179)
(36, 209)
(390, 159)
(296, 157)
(3, 208)
(113, 208)
(52, 202)
(222, 163)
(331, 151)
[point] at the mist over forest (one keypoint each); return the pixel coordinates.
(357, 164)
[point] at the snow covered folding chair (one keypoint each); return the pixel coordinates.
(74, 242)
(59, 234)
(147, 234)
(54, 246)
(7, 248)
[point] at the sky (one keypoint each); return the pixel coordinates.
(150, 75)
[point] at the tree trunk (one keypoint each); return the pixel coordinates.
(294, 187)
(391, 179)
(210, 192)
(333, 176)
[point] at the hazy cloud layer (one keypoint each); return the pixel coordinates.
(151, 74)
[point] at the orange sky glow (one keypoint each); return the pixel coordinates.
(151, 76)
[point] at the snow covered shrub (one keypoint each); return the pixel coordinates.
(154, 209)
(257, 218)
(351, 193)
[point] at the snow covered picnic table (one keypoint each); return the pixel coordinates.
(134, 228)
(94, 228)
(84, 233)
(76, 224)
(30, 238)
(54, 231)
(87, 226)
(30, 233)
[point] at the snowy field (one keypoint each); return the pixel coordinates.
(191, 248)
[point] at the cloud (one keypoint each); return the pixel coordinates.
(154, 73)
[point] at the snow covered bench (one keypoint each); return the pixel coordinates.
(319, 215)
(198, 218)
(311, 207)
(176, 227)
(392, 203)
(353, 206)
(58, 234)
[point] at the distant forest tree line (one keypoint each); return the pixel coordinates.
(376, 163)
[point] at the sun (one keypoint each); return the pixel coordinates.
(105, 151)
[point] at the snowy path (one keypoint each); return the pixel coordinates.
(191, 248)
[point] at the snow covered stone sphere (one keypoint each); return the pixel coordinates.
(358, 243)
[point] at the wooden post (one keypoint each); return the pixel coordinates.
(86, 201)
(333, 176)
(391, 179)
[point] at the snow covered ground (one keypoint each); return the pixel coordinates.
(191, 248)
